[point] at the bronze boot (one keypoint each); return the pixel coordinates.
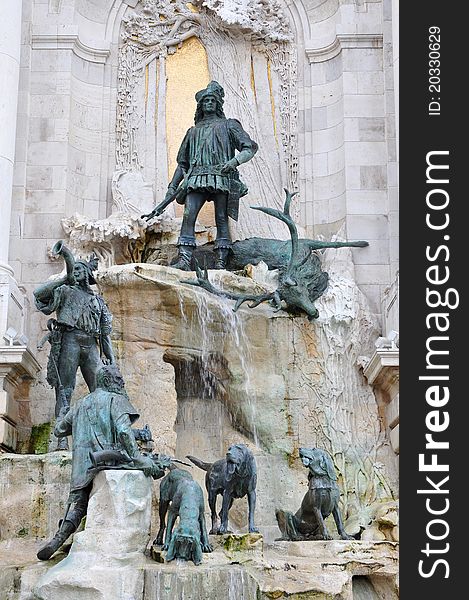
(184, 258)
(65, 531)
(221, 257)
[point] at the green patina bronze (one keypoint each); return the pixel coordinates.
(301, 279)
(320, 501)
(100, 421)
(79, 336)
(208, 171)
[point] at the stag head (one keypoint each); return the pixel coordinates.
(300, 283)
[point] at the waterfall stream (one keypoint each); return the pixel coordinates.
(218, 334)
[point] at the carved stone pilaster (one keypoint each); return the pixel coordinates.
(382, 373)
(17, 363)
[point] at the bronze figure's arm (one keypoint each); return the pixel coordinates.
(63, 426)
(127, 438)
(174, 190)
(105, 327)
(242, 142)
(43, 295)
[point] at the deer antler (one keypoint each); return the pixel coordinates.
(286, 218)
(287, 279)
(204, 282)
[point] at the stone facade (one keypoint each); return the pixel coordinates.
(100, 92)
(87, 142)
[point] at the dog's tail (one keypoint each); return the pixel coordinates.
(199, 463)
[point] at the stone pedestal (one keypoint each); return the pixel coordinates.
(106, 559)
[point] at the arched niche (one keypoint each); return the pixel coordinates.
(167, 51)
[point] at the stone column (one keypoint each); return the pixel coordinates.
(11, 301)
(10, 43)
(16, 361)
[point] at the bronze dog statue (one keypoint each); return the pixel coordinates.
(321, 500)
(232, 477)
(182, 497)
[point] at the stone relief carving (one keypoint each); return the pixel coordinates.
(230, 32)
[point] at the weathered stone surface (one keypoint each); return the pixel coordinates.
(106, 558)
(33, 493)
(257, 377)
(303, 570)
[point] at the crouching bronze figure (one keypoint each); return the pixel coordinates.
(101, 421)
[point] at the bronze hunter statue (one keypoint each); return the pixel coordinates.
(80, 334)
(99, 423)
(208, 171)
(321, 500)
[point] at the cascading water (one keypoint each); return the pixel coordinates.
(214, 331)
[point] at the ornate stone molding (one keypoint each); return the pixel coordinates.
(316, 55)
(71, 42)
(360, 40)
(382, 373)
(383, 368)
(158, 28)
(349, 40)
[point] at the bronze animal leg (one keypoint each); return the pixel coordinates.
(252, 508)
(164, 504)
(325, 535)
(169, 528)
(212, 502)
(340, 527)
(225, 507)
(229, 508)
(206, 546)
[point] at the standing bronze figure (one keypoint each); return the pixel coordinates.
(207, 171)
(80, 334)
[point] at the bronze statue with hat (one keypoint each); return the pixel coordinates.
(80, 334)
(207, 171)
